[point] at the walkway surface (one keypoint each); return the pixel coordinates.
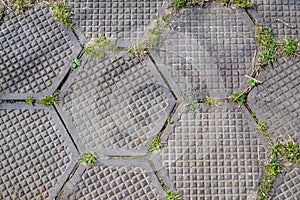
(115, 106)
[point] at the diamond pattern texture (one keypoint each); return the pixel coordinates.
(35, 53)
(276, 101)
(290, 188)
(282, 16)
(117, 103)
(118, 19)
(35, 156)
(227, 37)
(113, 182)
(214, 154)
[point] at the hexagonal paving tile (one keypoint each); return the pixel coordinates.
(288, 185)
(36, 53)
(209, 39)
(36, 154)
(115, 106)
(276, 101)
(214, 154)
(114, 180)
(282, 16)
(121, 21)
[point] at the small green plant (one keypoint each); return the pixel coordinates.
(171, 195)
(62, 12)
(180, 3)
(50, 99)
(290, 151)
(252, 81)
(170, 121)
(290, 46)
(21, 5)
(191, 102)
(155, 144)
(98, 47)
(267, 44)
(151, 39)
(242, 3)
(262, 126)
(225, 1)
(75, 64)
(211, 101)
(238, 97)
(29, 100)
(88, 158)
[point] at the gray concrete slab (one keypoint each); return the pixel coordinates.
(288, 185)
(209, 38)
(114, 179)
(282, 17)
(122, 22)
(216, 153)
(276, 101)
(36, 53)
(37, 154)
(115, 106)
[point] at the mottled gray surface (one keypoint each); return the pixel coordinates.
(36, 53)
(215, 153)
(115, 106)
(114, 179)
(37, 154)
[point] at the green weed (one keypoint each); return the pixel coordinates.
(170, 121)
(75, 64)
(155, 144)
(88, 158)
(267, 44)
(262, 126)
(21, 5)
(290, 46)
(62, 12)
(171, 195)
(191, 102)
(99, 46)
(211, 101)
(50, 99)
(152, 37)
(290, 151)
(29, 100)
(238, 97)
(242, 3)
(180, 3)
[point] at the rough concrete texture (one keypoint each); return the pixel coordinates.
(282, 16)
(36, 53)
(215, 153)
(37, 154)
(288, 185)
(116, 105)
(211, 38)
(276, 101)
(114, 179)
(121, 21)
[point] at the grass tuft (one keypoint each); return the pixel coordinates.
(156, 144)
(50, 99)
(290, 46)
(98, 47)
(191, 101)
(88, 158)
(171, 195)
(62, 12)
(29, 100)
(266, 41)
(238, 97)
